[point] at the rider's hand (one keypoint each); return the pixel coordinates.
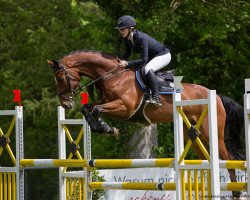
(123, 63)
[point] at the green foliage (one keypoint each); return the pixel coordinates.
(112, 147)
(97, 194)
(217, 38)
(165, 148)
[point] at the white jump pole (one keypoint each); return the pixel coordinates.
(247, 129)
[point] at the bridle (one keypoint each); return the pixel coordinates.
(70, 77)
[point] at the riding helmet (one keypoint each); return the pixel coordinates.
(125, 21)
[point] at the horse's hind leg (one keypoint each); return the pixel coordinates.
(115, 108)
(225, 155)
(223, 152)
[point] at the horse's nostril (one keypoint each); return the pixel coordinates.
(65, 106)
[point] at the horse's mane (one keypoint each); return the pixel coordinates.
(90, 51)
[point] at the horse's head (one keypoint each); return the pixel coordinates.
(67, 80)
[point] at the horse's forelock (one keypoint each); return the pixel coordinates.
(54, 65)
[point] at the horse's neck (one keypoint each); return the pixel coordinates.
(93, 66)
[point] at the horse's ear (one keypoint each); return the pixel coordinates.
(50, 63)
(53, 64)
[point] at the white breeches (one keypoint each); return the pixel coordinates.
(158, 63)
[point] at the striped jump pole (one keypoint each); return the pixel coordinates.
(126, 163)
(161, 186)
(247, 128)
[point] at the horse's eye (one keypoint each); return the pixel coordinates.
(59, 79)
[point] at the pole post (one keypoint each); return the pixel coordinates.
(247, 130)
(62, 152)
(19, 152)
(213, 145)
(87, 156)
(178, 143)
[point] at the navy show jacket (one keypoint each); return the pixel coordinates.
(144, 44)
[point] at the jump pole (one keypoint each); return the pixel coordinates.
(126, 163)
(247, 129)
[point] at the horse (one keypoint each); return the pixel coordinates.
(120, 96)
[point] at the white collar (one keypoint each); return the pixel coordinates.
(130, 37)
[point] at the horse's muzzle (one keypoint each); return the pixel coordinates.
(67, 104)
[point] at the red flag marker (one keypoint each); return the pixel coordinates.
(84, 98)
(17, 96)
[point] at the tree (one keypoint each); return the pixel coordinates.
(32, 32)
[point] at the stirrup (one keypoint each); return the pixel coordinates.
(154, 102)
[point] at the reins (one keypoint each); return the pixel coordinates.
(79, 89)
(68, 76)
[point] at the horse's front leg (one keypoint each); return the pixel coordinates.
(115, 108)
(97, 124)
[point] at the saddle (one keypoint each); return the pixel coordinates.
(165, 78)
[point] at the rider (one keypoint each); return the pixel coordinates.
(154, 55)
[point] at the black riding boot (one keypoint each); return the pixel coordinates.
(154, 87)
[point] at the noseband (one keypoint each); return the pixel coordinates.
(69, 77)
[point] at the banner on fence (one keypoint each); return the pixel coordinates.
(160, 175)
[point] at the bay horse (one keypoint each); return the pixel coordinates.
(120, 96)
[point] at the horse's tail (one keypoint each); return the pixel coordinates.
(233, 127)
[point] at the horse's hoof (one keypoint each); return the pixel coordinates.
(115, 132)
(241, 198)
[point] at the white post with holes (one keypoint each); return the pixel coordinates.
(247, 129)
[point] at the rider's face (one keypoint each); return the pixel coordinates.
(124, 32)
